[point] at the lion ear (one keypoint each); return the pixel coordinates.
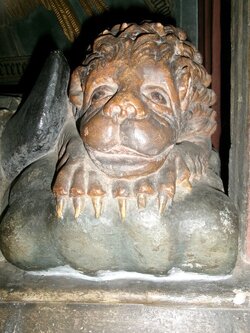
(75, 88)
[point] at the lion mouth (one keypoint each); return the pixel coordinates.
(123, 162)
(122, 152)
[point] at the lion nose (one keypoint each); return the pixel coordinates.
(121, 109)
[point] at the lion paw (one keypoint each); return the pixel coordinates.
(69, 185)
(77, 180)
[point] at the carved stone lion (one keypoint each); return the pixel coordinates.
(131, 163)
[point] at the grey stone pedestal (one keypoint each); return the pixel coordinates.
(62, 302)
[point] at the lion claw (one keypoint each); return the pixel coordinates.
(141, 200)
(164, 202)
(97, 204)
(78, 204)
(60, 205)
(122, 208)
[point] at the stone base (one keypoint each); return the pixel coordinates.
(100, 318)
(136, 303)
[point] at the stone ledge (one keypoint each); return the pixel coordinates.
(51, 303)
(185, 289)
(117, 318)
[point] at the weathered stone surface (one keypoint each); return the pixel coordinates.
(8, 106)
(61, 302)
(199, 232)
(36, 318)
(28, 135)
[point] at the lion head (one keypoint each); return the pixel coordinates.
(141, 90)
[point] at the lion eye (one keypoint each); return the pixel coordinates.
(99, 94)
(103, 92)
(158, 97)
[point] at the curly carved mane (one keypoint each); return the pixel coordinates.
(167, 44)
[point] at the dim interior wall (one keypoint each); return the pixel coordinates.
(239, 168)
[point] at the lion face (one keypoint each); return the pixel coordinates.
(129, 126)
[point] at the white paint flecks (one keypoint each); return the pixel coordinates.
(240, 296)
(175, 274)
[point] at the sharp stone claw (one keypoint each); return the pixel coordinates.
(97, 204)
(122, 208)
(141, 200)
(78, 204)
(60, 203)
(186, 184)
(164, 202)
